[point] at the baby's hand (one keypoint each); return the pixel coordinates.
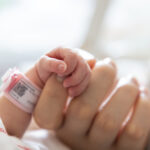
(77, 74)
(68, 65)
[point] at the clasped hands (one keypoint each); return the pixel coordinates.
(111, 114)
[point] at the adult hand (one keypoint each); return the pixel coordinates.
(96, 119)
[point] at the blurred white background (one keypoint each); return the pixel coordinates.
(115, 28)
(29, 28)
(32, 25)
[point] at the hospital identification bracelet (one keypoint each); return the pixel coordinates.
(20, 90)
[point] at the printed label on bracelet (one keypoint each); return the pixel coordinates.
(24, 93)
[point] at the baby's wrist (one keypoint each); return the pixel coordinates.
(33, 75)
(20, 118)
(20, 90)
(17, 101)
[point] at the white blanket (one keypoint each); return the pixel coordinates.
(33, 140)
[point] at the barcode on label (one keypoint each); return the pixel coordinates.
(20, 89)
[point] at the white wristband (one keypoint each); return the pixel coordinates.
(20, 90)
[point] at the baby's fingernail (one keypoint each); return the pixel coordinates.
(71, 93)
(65, 85)
(62, 67)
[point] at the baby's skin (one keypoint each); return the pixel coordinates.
(112, 113)
(67, 64)
(64, 63)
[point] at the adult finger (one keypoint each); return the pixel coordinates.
(135, 134)
(82, 109)
(110, 118)
(49, 110)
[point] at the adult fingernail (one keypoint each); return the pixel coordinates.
(128, 80)
(144, 90)
(110, 61)
(134, 81)
(60, 79)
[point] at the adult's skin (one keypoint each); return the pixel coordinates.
(90, 124)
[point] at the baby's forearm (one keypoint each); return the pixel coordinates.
(16, 120)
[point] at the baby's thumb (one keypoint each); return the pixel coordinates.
(58, 66)
(54, 65)
(46, 65)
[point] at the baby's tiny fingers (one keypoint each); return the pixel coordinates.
(77, 90)
(68, 56)
(47, 65)
(78, 75)
(88, 57)
(52, 65)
